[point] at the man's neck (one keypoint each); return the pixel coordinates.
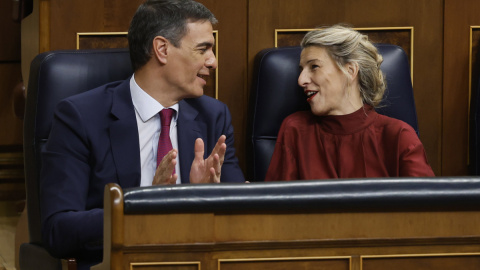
(154, 85)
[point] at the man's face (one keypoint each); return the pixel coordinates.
(191, 62)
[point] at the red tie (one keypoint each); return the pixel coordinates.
(164, 143)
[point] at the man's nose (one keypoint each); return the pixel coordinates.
(211, 62)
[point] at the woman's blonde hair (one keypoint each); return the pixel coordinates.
(345, 45)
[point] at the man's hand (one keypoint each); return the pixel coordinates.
(164, 173)
(210, 169)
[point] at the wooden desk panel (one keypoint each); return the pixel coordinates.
(426, 261)
(285, 240)
(286, 263)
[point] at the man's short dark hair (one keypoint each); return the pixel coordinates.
(166, 18)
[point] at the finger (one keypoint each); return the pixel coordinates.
(159, 175)
(219, 144)
(216, 165)
(173, 179)
(166, 162)
(172, 154)
(221, 153)
(199, 149)
(215, 170)
(171, 166)
(164, 170)
(213, 176)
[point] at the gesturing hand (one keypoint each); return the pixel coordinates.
(208, 170)
(163, 174)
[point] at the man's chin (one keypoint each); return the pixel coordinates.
(197, 94)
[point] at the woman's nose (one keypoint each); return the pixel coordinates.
(303, 79)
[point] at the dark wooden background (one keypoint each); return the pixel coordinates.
(11, 158)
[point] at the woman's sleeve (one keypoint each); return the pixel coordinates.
(413, 159)
(283, 163)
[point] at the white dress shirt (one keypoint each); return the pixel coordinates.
(148, 123)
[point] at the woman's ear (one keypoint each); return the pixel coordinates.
(352, 69)
(160, 46)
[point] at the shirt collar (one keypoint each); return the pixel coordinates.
(145, 105)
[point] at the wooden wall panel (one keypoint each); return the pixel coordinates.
(12, 127)
(232, 64)
(84, 16)
(12, 185)
(102, 40)
(459, 16)
(67, 18)
(425, 16)
(9, 34)
(400, 36)
(10, 75)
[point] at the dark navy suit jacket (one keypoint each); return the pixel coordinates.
(94, 141)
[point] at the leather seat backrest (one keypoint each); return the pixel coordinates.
(54, 76)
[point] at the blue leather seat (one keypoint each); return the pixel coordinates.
(54, 76)
(275, 94)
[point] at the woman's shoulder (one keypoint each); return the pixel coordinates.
(394, 125)
(298, 118)
(300, 115)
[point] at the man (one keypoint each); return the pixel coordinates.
(111, 133)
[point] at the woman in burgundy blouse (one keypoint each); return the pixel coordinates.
(342, 136)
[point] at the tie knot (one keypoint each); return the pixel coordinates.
(166, 116)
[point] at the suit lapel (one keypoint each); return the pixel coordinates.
(188, 129)
(124, 137)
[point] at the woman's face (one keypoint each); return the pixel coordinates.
(326, 85)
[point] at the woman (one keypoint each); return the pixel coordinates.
(342, 136)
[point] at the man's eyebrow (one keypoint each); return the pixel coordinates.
(204, 44)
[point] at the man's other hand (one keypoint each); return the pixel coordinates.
(208, 170)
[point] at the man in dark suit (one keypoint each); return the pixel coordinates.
(110, 134)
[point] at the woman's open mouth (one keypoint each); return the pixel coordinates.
(310, 94)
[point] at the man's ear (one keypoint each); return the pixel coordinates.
(160, 46)
(352, 69)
